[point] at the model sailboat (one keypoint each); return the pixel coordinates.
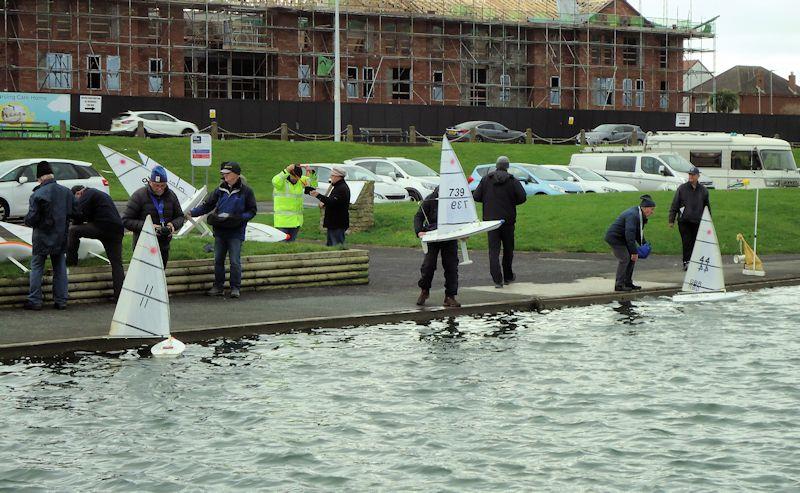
(752, 264)
(143, 307)
(457, 216)
(705, 280)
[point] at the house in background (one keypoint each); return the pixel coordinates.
(760, 91)
(694, 74)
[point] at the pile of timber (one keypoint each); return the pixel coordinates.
(259, 272)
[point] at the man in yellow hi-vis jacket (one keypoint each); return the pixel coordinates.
(288, 187)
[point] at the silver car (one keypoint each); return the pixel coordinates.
(612, 133)
(384, 192)
(485, 131)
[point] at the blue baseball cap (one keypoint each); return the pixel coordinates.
(694, 171)
(158, 175)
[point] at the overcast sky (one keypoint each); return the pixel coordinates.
(764, 33)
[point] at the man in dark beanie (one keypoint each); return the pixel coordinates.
(500, 193)
(97, 218)
(624, 234)
(49, 210)
(690, 200)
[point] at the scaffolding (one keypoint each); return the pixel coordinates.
(588, 54)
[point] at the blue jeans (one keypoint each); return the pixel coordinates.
(59, 278)
(231, 247)
(335, 237)
(292, 232)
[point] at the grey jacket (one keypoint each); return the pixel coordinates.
(693, 201)
(50, 208)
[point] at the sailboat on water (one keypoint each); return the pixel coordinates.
(457, 215)
(749, 256)
(705, 280)
(143, 307)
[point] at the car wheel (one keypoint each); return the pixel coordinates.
(415, 196)
(540, 193)
(605, 141)
(5, 210)
(478, 138)
(187, 131)
(521, 140)
(589, 191)
(641, 142)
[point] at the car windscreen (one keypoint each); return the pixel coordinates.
(415, 168)
(564, 174)
(587, 174)
(542, 173)
(775, 159)
(676, 162)
(360, 174)
(122, 116)
(466, 125)
(605, 128)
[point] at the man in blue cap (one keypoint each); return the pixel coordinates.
(156, 200)
(624, 234)
(687, 206)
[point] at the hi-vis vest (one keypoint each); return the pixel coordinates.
(288, 199)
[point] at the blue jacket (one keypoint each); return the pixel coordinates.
(238, 201)
(96, 207)
(624, 231)
(49, 210)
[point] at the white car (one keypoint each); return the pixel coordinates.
(154, 122)
(588, 180)
(418, 179)
(18, 179)
(356, 176)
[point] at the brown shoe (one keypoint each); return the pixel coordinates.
(450, 302)
(423, 295)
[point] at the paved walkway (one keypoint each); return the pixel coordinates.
(547, 279)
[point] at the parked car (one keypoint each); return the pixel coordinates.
(612, 133)
(154, 122)
(18, 179)
(418, 179)
(644, 170)
(355, 175)
(588, 180)
(485, 131)
(535, 179)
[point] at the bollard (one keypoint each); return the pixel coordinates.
(633, 138)
(473, 134)
(62, 128)
(140, 129)
(583, 137)
(528, 136)
(412, 134)
(284, 132)
(349, 133)
(214, 131)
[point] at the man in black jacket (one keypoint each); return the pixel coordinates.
(97, 218)
(156, 200)
(500, 193)
(688, 204)
(337, 207)
(425, 221)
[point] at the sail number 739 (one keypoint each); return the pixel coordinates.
(458, 192)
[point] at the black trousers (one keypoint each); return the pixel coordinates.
(449, 252)
(688, 235)
(111, 238)
(625, 266)
(504, 235)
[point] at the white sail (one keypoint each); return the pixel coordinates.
(16, 240)
(143, 306)
(184, 190)
(704, 273)
(456, 205)
(131, 173)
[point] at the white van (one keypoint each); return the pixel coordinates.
(643, 170)
(730, 159)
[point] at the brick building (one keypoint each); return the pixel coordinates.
(759, 91)
(582, 54)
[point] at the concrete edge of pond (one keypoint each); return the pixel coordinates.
(54, 348)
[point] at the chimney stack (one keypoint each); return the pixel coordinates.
(792, 82)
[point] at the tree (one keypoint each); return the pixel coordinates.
(725, 101)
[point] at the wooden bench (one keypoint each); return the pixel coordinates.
(27, 130)
(374, 134)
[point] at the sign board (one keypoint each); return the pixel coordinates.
(36, 115)
(682, 119)
(200, 150)
(91, 104)
(212, 114)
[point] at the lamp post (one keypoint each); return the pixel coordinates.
(337, 78)
(771, 73)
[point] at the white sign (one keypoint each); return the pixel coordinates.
(91, 104)
(682, 119)
(200, 150)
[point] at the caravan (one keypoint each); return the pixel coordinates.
(731, 160)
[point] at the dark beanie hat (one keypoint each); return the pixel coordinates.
(43, 168)
(297, 171)
(502, 163)
(647, 201)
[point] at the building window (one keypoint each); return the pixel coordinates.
(663, 96)
(352, 82)
(663, 55)
(505, 87)
(93, 72)
(156, 79)
(555, 91)
(304, 76)
(58, 71)
(630, 51)
(369, 81)
(701, 105)
(604, 91)
(640, 93)
(436, 41)
(601, 50)
(437, 88)
(477, 90)
(112, 73)
(627, 92)
(401, 83)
